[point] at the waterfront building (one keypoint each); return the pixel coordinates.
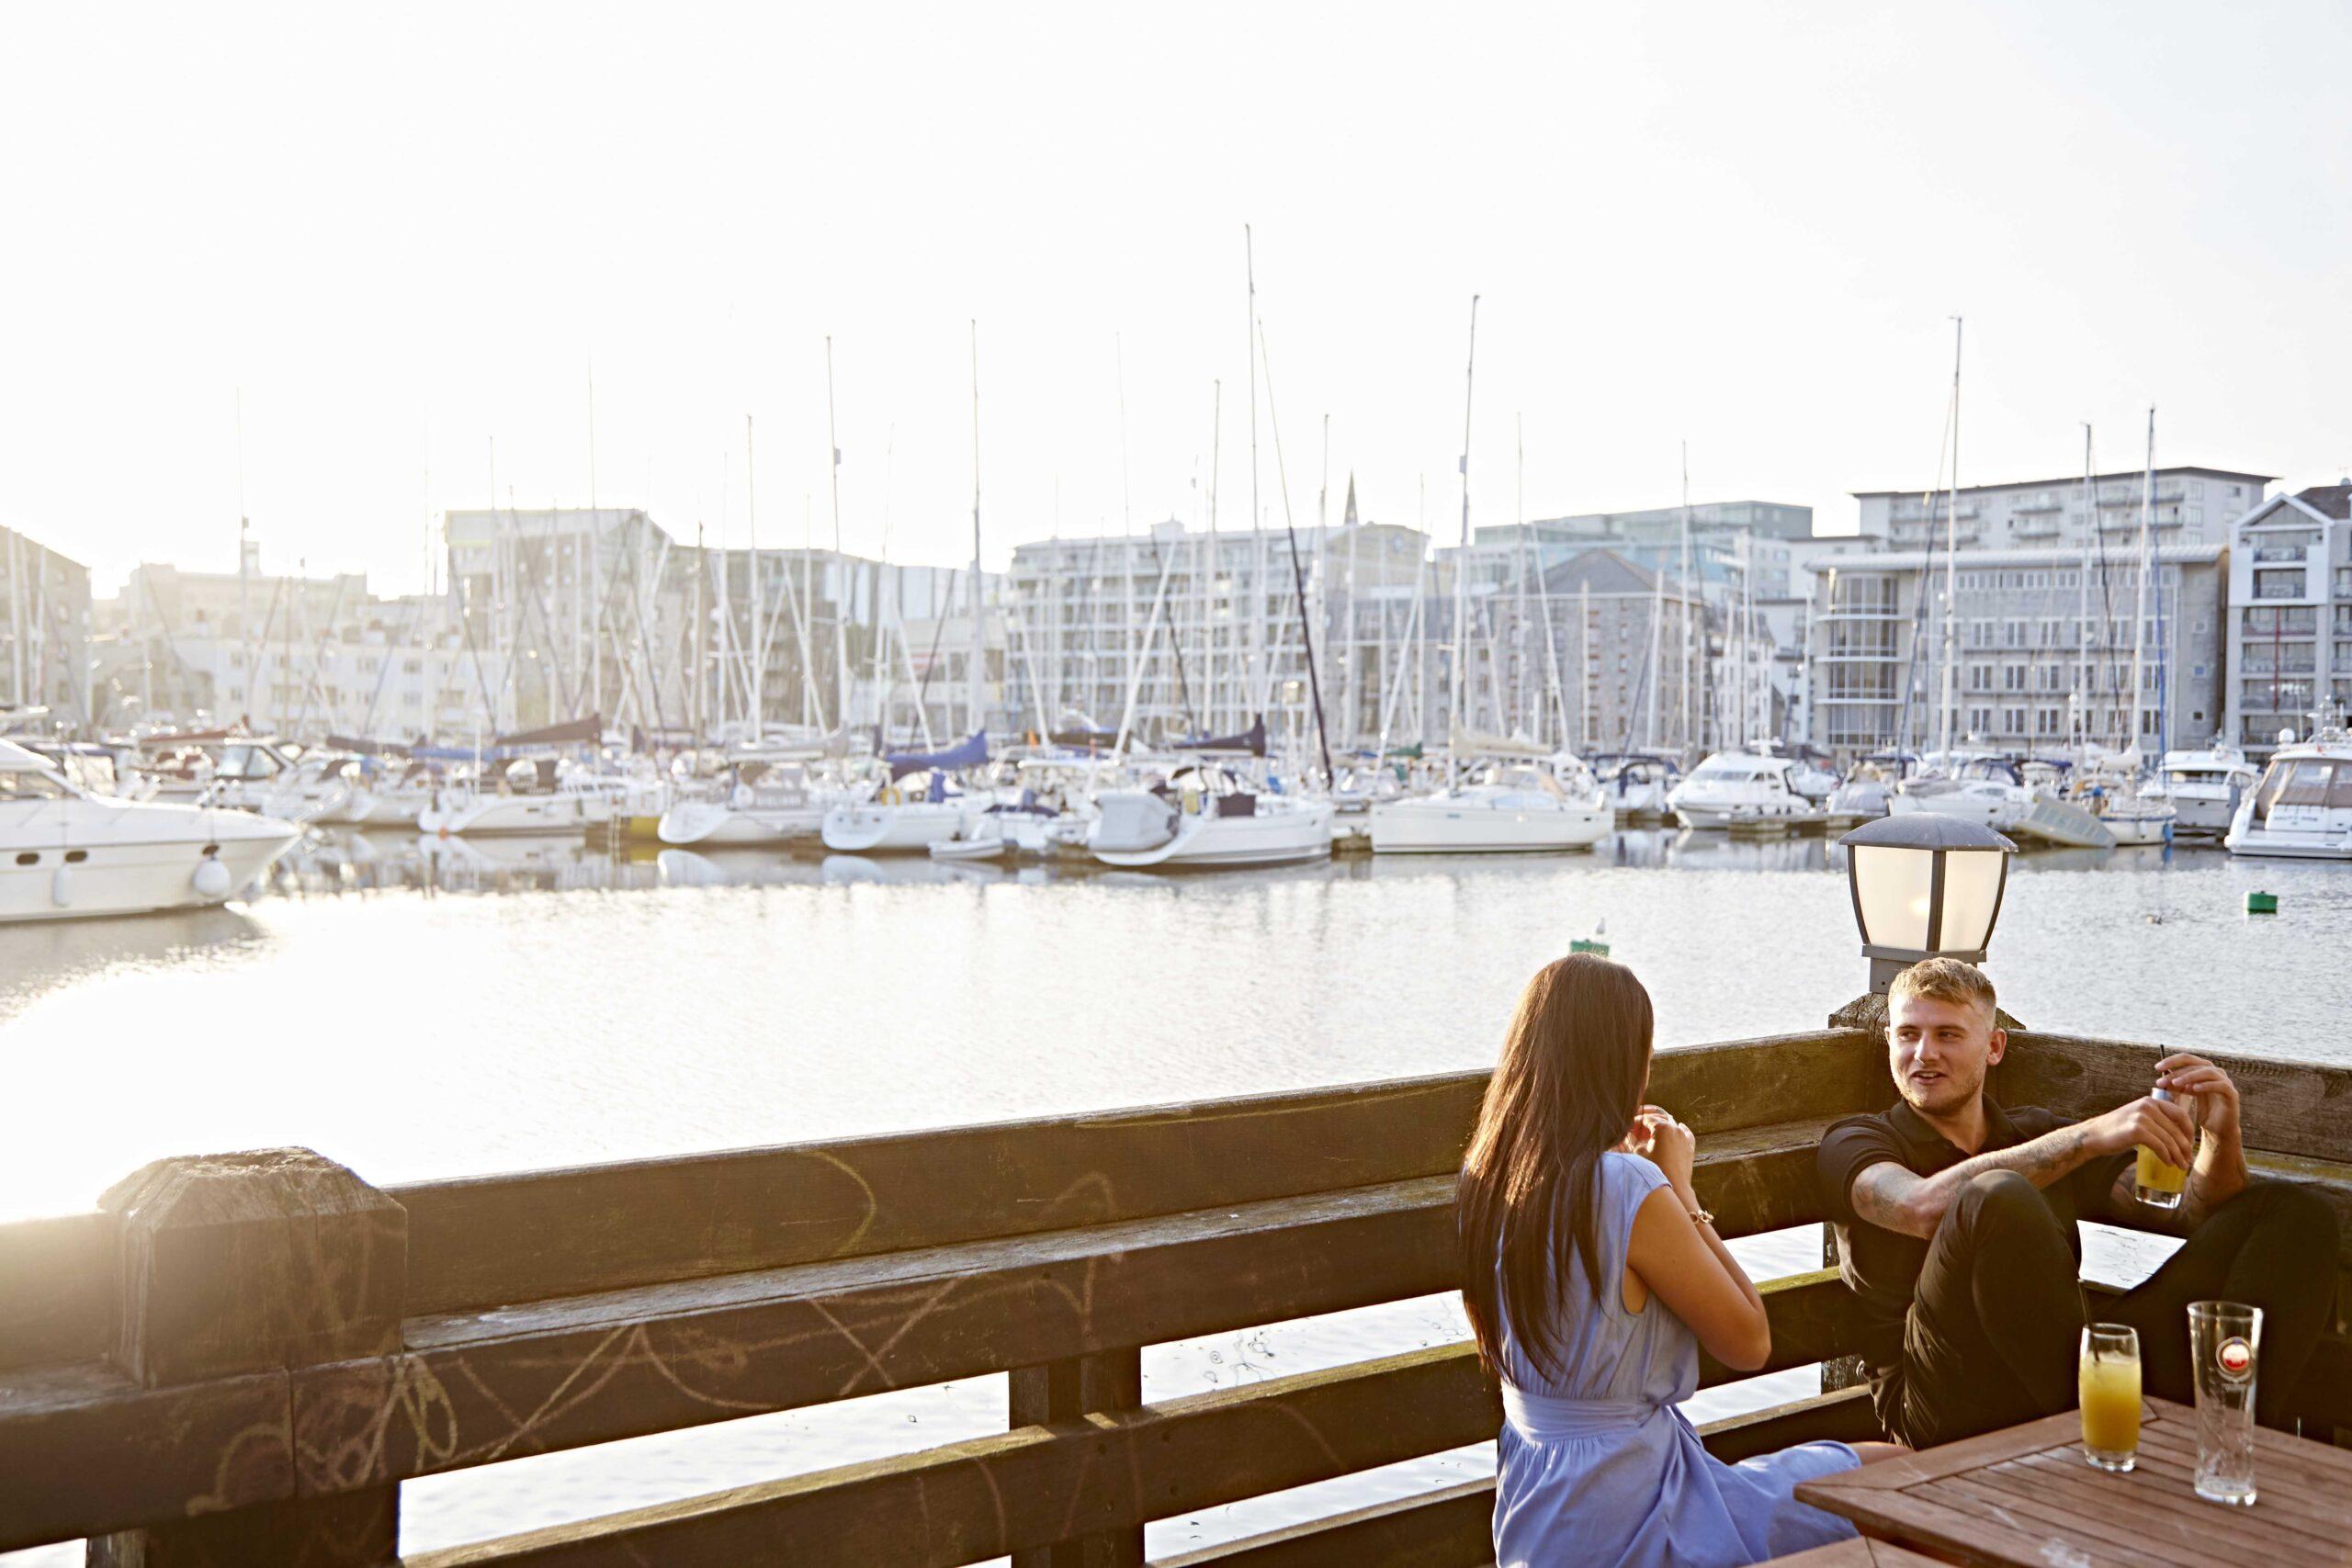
(44, 630)
(1205, 629)
(2290, 618)
(604, 611)
(1621, 685)
(2043, 648)
(2192, 506)
(301, 655)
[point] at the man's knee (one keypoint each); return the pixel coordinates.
(2002, 1198)
(2302, 1214)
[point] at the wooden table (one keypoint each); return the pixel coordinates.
(2026, 1496)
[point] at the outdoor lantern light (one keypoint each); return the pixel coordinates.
(1924, 886)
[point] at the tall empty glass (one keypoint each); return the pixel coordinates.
(2225, 1343)
(2109, 1386)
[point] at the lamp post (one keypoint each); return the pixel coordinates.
(1924, 886)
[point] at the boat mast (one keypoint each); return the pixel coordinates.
(1543, 604)
(1215, 563)
(2140, 598)
(1951, 557)
(1583, 667)
(759, 592)
(1690, 629)
(841, 619)
(2083, 610)
(1257, 517)
(1297, 574)
(979, 629)
(1519, 598)
(1462, 559)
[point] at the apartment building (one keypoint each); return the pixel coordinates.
(2290, 618)
(44, 630)
(1205, 629)
(2190, 505)
(2043, 649)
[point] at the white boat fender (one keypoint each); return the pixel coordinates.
(211, 878)
(61, 887)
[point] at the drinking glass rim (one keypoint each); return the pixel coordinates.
(2221, 1310)
(2109, 1340)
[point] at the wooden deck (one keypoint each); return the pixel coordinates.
(239, 1359)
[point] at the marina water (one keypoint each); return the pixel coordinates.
(419, 1007)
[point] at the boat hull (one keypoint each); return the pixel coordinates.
(1206, 843)
(1433, 828)
(540, 814)
(714, 826)
(143, 875)
(890, 830)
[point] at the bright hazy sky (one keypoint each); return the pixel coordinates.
(402, 233)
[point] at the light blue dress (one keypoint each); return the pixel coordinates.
(1604, 1468)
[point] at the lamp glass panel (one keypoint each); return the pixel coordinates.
(1971, 895)
(1891, 885)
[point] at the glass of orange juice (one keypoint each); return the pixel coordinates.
(2155, 1183)
(2109, 1389)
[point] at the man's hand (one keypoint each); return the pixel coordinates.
(2217, 1106)
(2163, 1127)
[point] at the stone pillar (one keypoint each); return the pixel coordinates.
(257, 1263)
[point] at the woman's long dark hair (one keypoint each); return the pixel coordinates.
(1567, 1085)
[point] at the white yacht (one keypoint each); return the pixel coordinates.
(277, 779)
(382, 798)
(2128, 805)
(2206, 787)
(527, 797)
(1512, 810)
(1746, 787)
(1635, 785)
(1865, 791)
(908, 819)
(1986, 788)
(2303, 807)
(766, 804)
(1208, 817)
(65, 853)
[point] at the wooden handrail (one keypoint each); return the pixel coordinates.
(553, 1310)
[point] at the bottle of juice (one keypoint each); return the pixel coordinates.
(2157, 1184)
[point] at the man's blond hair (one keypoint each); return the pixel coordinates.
(1944, 980)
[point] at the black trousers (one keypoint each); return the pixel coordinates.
(1994, 1330)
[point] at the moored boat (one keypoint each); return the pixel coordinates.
(2303, 807)
(65, 853)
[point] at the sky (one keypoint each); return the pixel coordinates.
(329, 263)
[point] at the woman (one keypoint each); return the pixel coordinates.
(1593, 1278)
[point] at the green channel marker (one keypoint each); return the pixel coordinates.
(2262, 903)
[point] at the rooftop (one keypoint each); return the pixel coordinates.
(2063, 480)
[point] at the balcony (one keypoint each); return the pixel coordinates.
(2263, 553)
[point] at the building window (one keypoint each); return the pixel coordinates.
(2275, 583)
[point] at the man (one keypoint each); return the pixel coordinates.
(1957, 1218)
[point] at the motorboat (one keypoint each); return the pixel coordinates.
(1810, 773)
(381, 799)
(66, 852)
(1635, 785)
(1861, 796)
(766, 804)
(2205, 787)
(1207, 817)
(2302, 807)
(278, 779)
(528, 797)
(2130, 805)
(1748, 786)
(1987, 788)
(1513, 810)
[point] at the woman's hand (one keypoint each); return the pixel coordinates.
(1666, 1144)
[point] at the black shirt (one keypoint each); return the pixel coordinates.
(1881, 1266)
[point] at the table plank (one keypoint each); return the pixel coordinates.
(2024, 1497)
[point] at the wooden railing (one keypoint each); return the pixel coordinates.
(238, 1359)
